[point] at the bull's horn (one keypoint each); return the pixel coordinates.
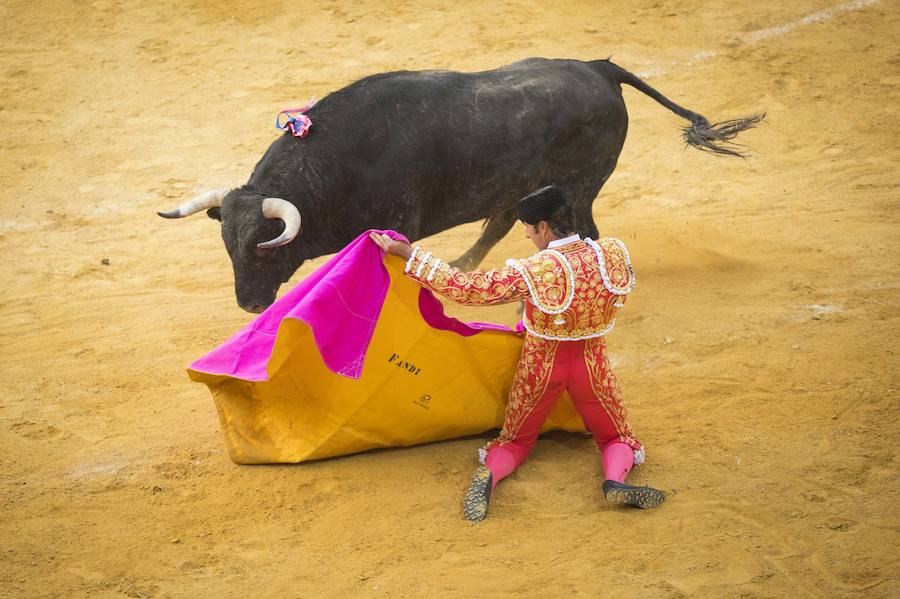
(284, 210)
(210, 199)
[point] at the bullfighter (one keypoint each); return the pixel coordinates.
(573, 288)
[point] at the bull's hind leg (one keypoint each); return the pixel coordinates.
(495, 227)
(584, 220)
(582, 202)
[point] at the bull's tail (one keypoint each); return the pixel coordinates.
(715, 138)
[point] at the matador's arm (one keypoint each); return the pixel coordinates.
(473, 288)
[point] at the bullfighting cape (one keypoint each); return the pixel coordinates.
(355, 357)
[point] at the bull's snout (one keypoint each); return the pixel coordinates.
(255, 308)
(254, 296)
(255, 302)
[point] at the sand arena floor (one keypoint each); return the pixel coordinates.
(757, 353)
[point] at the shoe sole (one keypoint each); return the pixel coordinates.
(475, 505)
(642, 497)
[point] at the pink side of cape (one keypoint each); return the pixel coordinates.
(340, 301)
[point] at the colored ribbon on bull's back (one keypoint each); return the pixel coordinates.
(356, 357)
(298, 123)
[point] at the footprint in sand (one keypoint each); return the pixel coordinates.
(156, 49)
(33, 430)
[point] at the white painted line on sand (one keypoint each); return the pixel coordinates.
(764, 34)
(816, 17)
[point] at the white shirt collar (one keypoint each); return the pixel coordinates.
(565, 241)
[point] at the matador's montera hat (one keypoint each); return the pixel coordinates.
(541, 204)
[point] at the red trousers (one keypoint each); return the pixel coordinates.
(546, 369)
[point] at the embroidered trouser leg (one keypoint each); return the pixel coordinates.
(538, 382)
(596, 395)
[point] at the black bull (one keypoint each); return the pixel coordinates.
(420, 152)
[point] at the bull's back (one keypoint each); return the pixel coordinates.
(481, 104)
(466, 136)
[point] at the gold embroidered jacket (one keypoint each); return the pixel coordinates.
(573, 290)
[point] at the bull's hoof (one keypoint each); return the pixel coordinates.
(642, 497)
(475, 505)
(463, 265)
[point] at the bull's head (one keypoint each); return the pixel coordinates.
(256, 230)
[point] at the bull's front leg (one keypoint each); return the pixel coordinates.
(495, 227)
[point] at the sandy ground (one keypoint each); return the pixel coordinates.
(757, 353)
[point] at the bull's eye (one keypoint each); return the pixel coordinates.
(262, 252)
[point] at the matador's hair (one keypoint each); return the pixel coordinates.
(548, 204)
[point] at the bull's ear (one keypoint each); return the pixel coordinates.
(215, 213)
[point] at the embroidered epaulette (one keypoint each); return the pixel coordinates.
(615, 264)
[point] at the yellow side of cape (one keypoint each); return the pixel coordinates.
(418, 385)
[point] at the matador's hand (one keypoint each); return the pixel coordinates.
(391, 246)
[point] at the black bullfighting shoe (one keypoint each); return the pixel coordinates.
(642, 497)
(475, 505)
